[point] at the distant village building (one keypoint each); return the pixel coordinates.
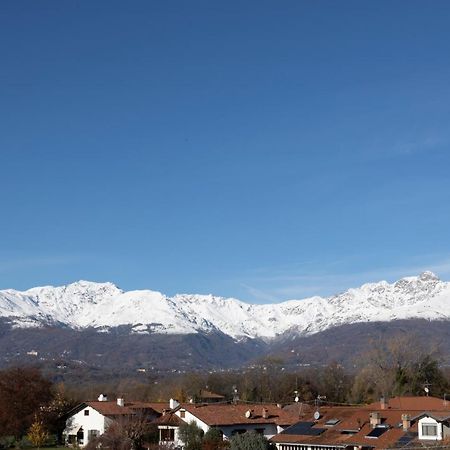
(205, 396)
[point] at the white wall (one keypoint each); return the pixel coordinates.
(188, 418)
(269, 429)
(94, 421)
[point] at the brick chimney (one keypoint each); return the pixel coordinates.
(406, 422)
(375, 419)
(383, 404)
(120, 402)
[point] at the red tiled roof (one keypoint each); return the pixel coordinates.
(129, 408)
(229, 414)
(358, 420)
(169, 419)
(414, 404)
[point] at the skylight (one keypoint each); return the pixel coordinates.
(332, 422)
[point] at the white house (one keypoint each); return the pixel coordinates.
(91, 419)
(230, 419)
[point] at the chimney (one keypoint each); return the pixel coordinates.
(375, 419)
(406, 422)
(383, 403)
(102, 398)
(173, 403)
(265, 413)
(120, 402)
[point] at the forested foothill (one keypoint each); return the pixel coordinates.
(33, 402)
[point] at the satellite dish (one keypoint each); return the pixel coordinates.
(426, 390)
(317, 415)
(296, 399)
(248, 414)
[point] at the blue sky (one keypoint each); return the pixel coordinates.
(263, 150)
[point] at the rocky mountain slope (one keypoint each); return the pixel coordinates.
(103, 306)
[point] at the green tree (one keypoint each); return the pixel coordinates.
(249, 441)
(426, 372)
(191, 434)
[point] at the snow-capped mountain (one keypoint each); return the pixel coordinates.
(103, 305)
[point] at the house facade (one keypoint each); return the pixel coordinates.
(91, 419)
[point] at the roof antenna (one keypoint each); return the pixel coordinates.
(317, 404)
(235, 395)
(426, 387)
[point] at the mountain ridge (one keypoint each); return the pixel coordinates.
(103, 306)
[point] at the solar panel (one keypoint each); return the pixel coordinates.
(406, 439)
(304, 428)
(377, 432)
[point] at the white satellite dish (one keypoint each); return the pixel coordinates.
(248, 414)
(426, 390)
(317, 415)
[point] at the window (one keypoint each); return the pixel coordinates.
(86, 412)
(167, 434)
(429, 429)
(182, 413)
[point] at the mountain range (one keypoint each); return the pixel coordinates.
(103, 306)
(100, 327)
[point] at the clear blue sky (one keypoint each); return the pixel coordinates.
(261, 149)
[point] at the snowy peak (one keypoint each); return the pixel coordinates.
(102, 306)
